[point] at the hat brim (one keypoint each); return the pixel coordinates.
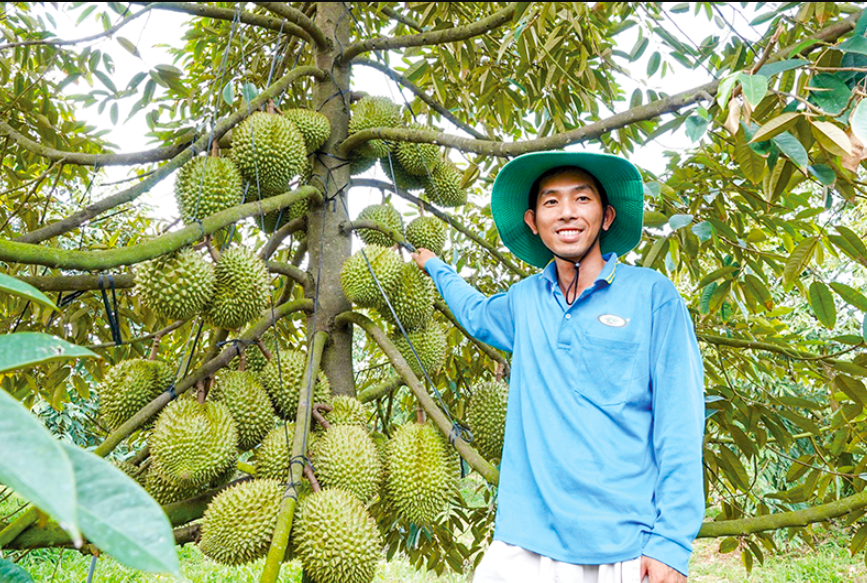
(620, 179)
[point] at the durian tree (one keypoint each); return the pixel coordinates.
(231, 338)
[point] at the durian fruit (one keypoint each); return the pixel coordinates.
(357, 282)
(248, 403)
(381, 441)
(421, 472)
(347, 410)
(430, 344)
(417, 159)
(373, 112)
(444, 187)
(385, 214)
(272, 456)
(337, 540)
(360, 164)
(176, 286)
(130, 385)
(239, 522)
(133, 471)
(427, 232)
(164, 489)
(486, 418)
(346, 457)
(241, 293)
(313, 125)
(256, 360)
(271, 147)
(283, 383)
(412, 299)
(206, 185)
(394, 172)
(193, 442)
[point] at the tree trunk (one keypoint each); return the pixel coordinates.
(326, 243)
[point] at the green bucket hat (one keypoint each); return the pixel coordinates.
(619, 178)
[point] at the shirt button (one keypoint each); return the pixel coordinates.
(568, 316)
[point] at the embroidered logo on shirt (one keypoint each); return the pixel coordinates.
(612, 320)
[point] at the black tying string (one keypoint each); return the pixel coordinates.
(111, 315)
(239, 344)
(193, 351)
(92, 569)
(572, 288)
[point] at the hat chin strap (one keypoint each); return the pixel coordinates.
(573, 286)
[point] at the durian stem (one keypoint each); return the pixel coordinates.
(212, 251)
(468, 452)
(264, 349)
(280, 540)
(272, 108)
(200, 392)
(320, 419)
(242, 361)
(143, 454)
(14, 252)
(247, 468)
(208, 368)
(311, 477)
(215, 149)
(502, 363)
(155, 347)
(419, 414)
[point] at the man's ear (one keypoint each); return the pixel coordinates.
(530, 220)
(610, 213)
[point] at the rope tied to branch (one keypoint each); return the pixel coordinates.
(111, 315)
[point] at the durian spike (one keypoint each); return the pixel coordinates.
(155, 347)
(314, 483)
(265, 352)
(319, 417)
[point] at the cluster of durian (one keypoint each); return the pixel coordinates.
(411, 166)
(486, 417)
(409, 291)
(183, 284)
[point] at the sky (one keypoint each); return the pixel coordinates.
(152, 32)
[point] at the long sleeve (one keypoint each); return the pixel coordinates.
(678, 426)
(487, 319)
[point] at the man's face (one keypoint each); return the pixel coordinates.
(568, 213)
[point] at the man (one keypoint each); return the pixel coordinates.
(601, 477)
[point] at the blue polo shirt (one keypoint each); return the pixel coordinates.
(602, 454)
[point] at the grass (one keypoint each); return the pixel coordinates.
(829, 562)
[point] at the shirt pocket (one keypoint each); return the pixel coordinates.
(608, 365)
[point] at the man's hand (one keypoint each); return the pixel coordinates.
(421, 256)
(659, 572)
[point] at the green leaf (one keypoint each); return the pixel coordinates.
(751, 164)
(776, 126)
(34, 464)
(792, 148)
(85, 14)
(11, 285)
(737, 473)
(832, 138)
(829, 92)
(249, 92)
(864, 328)
(113, 113)
(639, 48)
(725, 90)
(716, 274)
(861, 25)
(105, 81)
(772, 69)
(119, 517)
(702, 230)
(854, 389)
(861, 536)
(653, 63)
(799, 258)
(859, 120)
(654, 219)
(658, 246)
(696, 127)
(129, 46)
(823, 173)
(756, 288)
(850, 243)
(754, 87)
(28, 348)
(679, 221)
(719, 295)
(12, 573)
(168, 71)
(679, 7)
(822, 303)
(850, 295)
(728, 545)
(854, 44)
(704, 299)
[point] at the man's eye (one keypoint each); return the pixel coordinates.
(549, 202)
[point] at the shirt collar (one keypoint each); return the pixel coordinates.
(606, 275)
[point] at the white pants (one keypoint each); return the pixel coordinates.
(505, 563)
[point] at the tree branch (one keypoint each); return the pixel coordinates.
(299, 18)
(82, 159)
(130, 194)
(456, 225)
(207, 369)
(57, 283)
(13, 252)
(159, 333)
(280, 235)
(403, 19)
(492, 354)
(205, 11)
(296, 274)
(432, 103)
(778, 520)
(60, 43)
(348, 226)
(776, 348)
(382, 389)
(436, 37)
(468, 452)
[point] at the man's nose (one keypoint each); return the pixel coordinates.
(569, 210)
